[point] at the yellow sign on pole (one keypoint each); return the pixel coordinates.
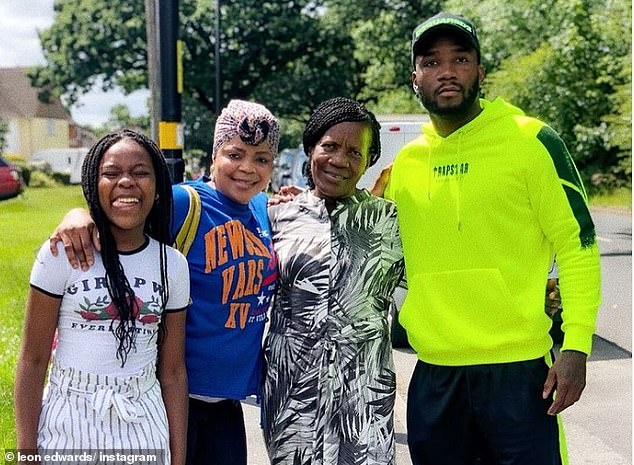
(179, 66)
(171, 135)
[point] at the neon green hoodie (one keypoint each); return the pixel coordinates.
(481, 214)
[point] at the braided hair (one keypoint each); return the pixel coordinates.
(156, 226)
(332, 112)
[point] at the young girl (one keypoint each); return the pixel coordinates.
(117, 379)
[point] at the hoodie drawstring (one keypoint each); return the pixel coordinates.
(429, 178)
(458, 182)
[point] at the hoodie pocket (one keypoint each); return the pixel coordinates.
(473, 306)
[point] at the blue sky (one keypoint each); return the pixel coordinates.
(19, 46)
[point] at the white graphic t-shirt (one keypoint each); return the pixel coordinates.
(85, 340)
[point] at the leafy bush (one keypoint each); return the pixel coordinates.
(195, 163)
(26, 174)
(41, 179)
(61, 178)
(42, 174)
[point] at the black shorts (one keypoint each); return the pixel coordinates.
(482, 414)
(216, 433)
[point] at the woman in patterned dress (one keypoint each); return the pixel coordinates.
(330, 384)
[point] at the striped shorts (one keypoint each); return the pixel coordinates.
(104, 415)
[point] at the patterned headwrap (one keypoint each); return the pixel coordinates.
(253, 122)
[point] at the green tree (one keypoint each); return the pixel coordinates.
(619, 130)
(120, 117)
(381, 31)
(281, 52)
(562, 61)
(93, 43)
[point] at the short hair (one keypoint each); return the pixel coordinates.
(332, 112)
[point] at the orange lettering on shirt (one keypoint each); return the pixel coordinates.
(210, 252)
(256, 245)
(248, 242)
(222, 245)
(236, 238)
(227, 280)
(241, 282)
(251, 277)
(258, 277)
(244, 313)
(231, 319)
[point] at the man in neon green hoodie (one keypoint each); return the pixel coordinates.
(486, 197)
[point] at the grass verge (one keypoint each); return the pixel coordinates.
(25, 223)
(620, 199)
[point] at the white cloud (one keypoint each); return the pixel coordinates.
(20, 20)
(94, 108)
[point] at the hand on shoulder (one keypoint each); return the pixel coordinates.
(286, 194)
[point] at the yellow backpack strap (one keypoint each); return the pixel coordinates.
(187, 232)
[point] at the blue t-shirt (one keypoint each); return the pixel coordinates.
(233, 272)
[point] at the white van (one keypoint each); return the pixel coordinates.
(66, 161)
(396, 131)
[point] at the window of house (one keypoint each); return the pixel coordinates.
(50, 127)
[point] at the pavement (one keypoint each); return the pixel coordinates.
(598, 427)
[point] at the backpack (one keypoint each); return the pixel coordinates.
(187, 232)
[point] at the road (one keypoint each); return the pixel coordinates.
(598, 428)
(614, 235)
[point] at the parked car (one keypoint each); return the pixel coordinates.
(11, 183)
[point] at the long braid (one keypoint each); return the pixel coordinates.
(332, 112)
(156, 226)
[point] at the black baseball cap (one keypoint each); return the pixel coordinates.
(452, 23)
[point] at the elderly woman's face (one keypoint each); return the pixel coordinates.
(340, 158)
(241, 171)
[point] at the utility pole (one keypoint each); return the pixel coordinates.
(217, 56)
(154, 75)
(171, 139)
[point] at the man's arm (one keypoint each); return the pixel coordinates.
(380, 183)
(560, 202)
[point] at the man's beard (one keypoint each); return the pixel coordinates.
(470, 96)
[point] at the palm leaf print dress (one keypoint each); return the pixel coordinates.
(330, 384)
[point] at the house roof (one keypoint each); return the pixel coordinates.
(18, 99)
